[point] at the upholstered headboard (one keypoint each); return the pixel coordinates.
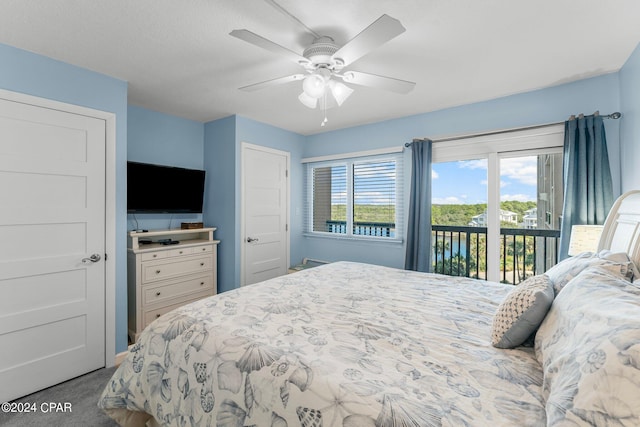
(621, 232)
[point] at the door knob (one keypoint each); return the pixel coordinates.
(251, 239)
(92, 258)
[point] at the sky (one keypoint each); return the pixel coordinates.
(459, 182)
(465, 182)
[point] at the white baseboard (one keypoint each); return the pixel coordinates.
(120, 356)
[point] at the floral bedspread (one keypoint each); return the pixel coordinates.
(344, 344)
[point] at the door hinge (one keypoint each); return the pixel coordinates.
(105, 257)
(286, 173)
(286, 227)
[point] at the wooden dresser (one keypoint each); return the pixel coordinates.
(164, 276)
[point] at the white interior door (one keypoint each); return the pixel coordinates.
(265, 198)
(52, 216)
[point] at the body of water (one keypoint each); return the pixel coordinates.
(452, 247)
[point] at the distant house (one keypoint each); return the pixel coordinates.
(505, 216)
(530, 219)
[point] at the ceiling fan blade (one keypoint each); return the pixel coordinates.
(292, 17)
(379, 32)
(273, 82)
(260, 41)
(378, 82)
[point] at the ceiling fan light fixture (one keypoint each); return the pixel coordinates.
(314, 85)
(308, 101)
(340, 91)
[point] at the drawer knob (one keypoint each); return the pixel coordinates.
(201, 283)
(157, 271)
(157, 294)
(155, 255)
(202, 264)
(180, 251)
(157, 315)
(204, 249)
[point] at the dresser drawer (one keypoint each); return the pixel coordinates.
(151, 315)
(153, 271)
(179, 252)
(167, 291)
(207, 249)
(153, 255)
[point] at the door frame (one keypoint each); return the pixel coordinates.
(110, 205)
(243, 147)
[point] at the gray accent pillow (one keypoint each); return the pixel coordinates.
(521, 312)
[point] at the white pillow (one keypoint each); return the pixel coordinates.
(521, 312)
(618, 263)
(589, 349)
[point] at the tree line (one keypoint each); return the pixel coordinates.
(462, 214)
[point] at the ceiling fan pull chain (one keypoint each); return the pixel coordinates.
(324, 108)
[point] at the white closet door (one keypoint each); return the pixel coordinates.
(265, 206)
(52, 216)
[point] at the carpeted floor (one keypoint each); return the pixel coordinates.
(76, 400)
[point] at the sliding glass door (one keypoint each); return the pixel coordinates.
(496, 204)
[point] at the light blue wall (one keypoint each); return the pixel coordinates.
(159, 138)
(220, 199)
(22, 71)
(630, 122)
(549, 105)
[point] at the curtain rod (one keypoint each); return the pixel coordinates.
(613, 116)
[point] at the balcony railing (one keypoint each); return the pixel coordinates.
(379, 229)
(461, 251)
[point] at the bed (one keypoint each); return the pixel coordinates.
(357, 345)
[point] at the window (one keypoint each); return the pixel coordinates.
(356, 197)
(496, 204)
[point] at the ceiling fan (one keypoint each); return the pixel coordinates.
(324, 62)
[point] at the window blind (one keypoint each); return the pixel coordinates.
(359, 197)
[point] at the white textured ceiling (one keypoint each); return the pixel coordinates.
(179, 59)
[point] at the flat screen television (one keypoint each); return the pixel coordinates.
(164, 189)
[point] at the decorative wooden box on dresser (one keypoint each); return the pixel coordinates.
(163, 276)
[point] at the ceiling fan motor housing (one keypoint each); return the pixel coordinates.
(320, 54)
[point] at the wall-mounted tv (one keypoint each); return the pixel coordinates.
(164, 189)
